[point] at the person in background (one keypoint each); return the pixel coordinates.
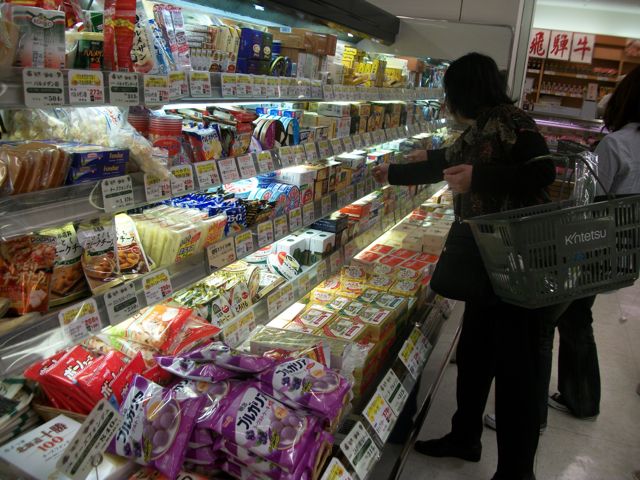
(619, 171)
(490, 168)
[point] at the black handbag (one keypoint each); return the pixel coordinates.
(460, 273)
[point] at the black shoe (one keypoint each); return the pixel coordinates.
(448, 447)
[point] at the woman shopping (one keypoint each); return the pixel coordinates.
(492, 167)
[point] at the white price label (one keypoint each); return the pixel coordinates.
(260, 86)
(336, 146)
(358, 141)
(207, 174)
(368, 138)
(369, 184)
(342, 198)
(265, 233)
(229, 88)
(200, 84)
(247, 166)
(348, 144)
(287, 157)
(336, 471)
(90, 441)
(80, 320)
(43, 87)
(228, 170)
(335, 261)
(359, 189)
(157, 286)
(239, 329)
(280, 226)
(265, 162)
(299, 154)
(310, 151)
(86, 87)
(393, 392)
(272, 87)
(350, 250)
(221, 254)
(123, 89)
(156, 89)
(360, 450)
(121, 302)
(279, 300)
(380, 416)
(244, 85)
(156, 188)
(327, 92)
(178, 86)
(407, 356)
(304, 284)
(181, 179)
(321, 270)
(308, 213)
(324, 148)
(326, 205)
(244, 244)
(295, 218)
(117, 193)
(389, 134)
(351, 193)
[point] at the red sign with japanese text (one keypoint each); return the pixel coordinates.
(560, 45)
(539, 43)
(582, 47)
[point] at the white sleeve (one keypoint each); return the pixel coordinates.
(608, 163)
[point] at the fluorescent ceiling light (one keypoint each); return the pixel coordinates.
(259, 7)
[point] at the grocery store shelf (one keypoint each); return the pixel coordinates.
(533, 70)
(581, 76)
(42, 336)
(564, 95)
(22, 214)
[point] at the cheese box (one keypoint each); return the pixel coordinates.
(353, 309)
(284, 265)
(334, 223)
(297, 175)
(366, 260)
(338, 303)
(403, 273)
(306, 235)
(294, 246)
(351, 161)
(320, 245)
(382, 269)
(346, 329)
(360, 109)
(359, 209)
(405, 288)
(417, 266)
(393, 302)
(354, 273)
(297, 326)
(334, 109)
(426, 257)
(404, 253)
(330, 285)
(391, 261)
(352, 288)
(320, 297)
(379, 321)
(380, 282)
(369, 295)
(315, 317)
(381, 248)
(412, 242)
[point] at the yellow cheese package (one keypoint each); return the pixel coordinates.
(379, 320)
(369, 295)
(380, 269)
(403, 273)
(315, 317)
(320, 297)
(338, 303)
(380, 282)
(405, 288)
(346, 328)
(353, 273)
(330, 285)
(353, 309)
(297, 326)
(352, 288)
(397, 304)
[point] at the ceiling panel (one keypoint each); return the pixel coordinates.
(434, 9)
(632, 6)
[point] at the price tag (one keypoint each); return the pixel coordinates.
(207, 173)
(279, 300)
(178, 87)
(310, 152)
(389, 134)
(228, 170)
(244, 244)
(90, 441)
(181, 179)
(200, 84)
(342, 198)
(286, 156)
(351, 193)
(229, 88)
(407, 357)
(304, 284)
(336, 146)
(327, 92)
(156, 188)
(247, 166)
(221, 254)
(393, 392)
(123, 89)
(260, 86)
(244, 85)
(117, 193)
(380, 416)
(157, 286)
(358, 141)
(265, 162)
(308, 213)
(360, 450)
(350, 250)
(43, 87)
(359, 190)
(280, 226)
(321, 270)
(369, 184)
(388, 221)
(265, 233)
(324, 148)
(272, 87)
(348, 144)
(156, 89)
(336, 471)
(295, 218)
(80, 320)
(299, 154)
(121, 302)
(401, 132)
(335, 261)
(326, 205)
(240, 328)
(86, 87)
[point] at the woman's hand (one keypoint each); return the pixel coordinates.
(459, 178)
(416, 155)
(381, 173)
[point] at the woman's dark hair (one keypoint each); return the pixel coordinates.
(473, 83)
(624, 105)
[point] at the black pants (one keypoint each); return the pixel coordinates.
(578, 368)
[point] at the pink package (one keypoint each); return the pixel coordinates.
(223, 356)
(185, 368)
(213, 393)
(308, 384)
(156, 428)
(251, 419)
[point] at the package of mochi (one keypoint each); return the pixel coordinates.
(189, 369)
(223, 356)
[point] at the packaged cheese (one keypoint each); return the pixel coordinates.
(382, 269)
(404, 273)
(346, 328)
(321, 298)
(353, 309)
(338, 303)
(380, 282)
(366, 260)
(131, 257)
(379, 320)
(352, 288)
(405, 288)
(330, 285)
(315, 317)
(354, 273)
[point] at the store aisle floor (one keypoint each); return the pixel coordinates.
(570, 449)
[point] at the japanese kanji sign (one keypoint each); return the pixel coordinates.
(539, 43)
(560, 45)
(582, 47)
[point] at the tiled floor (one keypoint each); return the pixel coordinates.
(570, 449)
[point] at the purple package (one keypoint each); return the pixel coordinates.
(202, 456)
(223, 356)
(156, 426)
(251, 419)
(201, 437)
(212, 393)
(309, 384)
(185, 368)
(240, 472)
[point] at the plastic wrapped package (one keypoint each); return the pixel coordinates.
(99, 258)
(31, 166)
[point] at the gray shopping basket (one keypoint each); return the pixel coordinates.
(560, 251)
